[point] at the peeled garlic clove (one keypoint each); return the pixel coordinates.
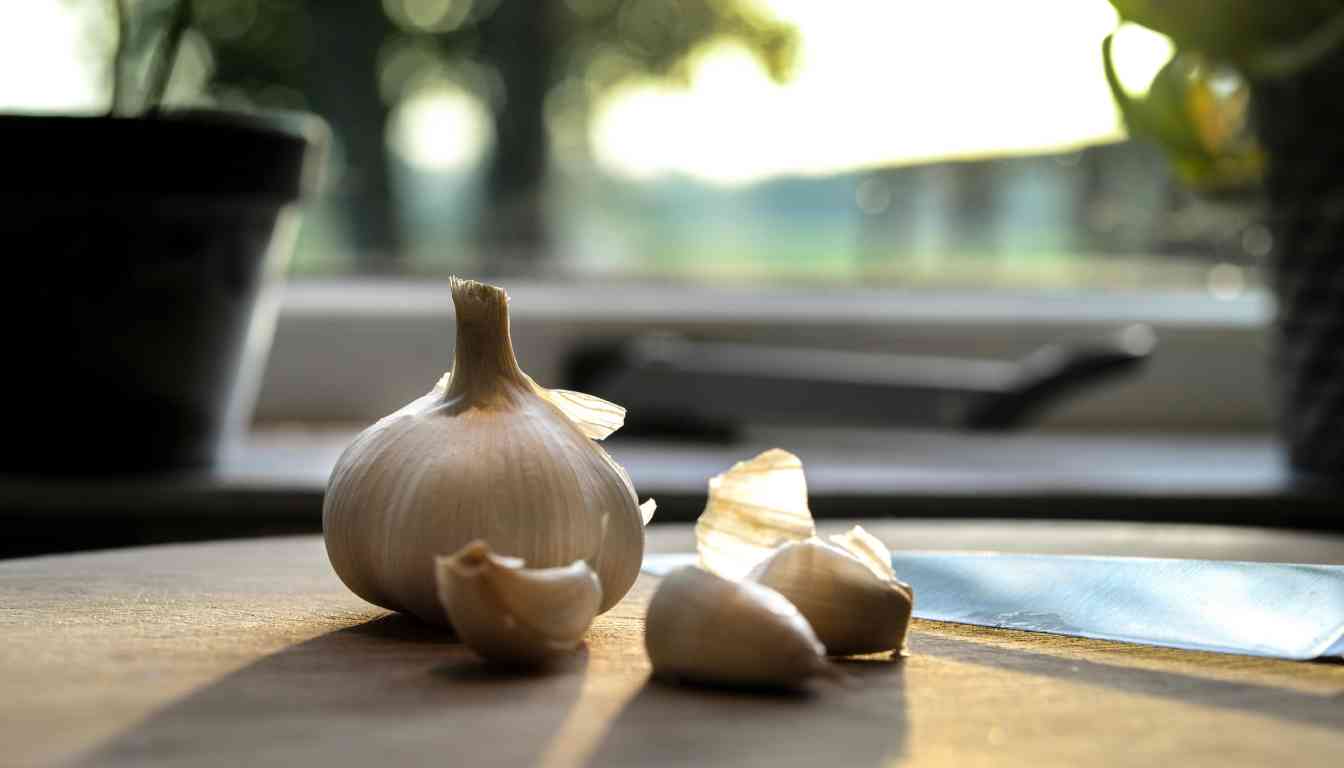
(707, 629)
(515, 615)
(487, 454)
(852, 609)
(753, 508)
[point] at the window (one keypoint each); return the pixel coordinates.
(961, 164)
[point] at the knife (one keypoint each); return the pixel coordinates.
(1259, 609)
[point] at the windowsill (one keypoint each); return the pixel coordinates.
(275, 480)
(353, 350)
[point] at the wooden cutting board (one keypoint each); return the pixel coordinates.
(252, 653)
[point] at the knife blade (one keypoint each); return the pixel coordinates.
(1261, 609)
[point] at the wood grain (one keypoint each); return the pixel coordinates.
(252, 652)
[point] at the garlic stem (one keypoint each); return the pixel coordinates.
(484, 366)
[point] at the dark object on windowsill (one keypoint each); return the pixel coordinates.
(1300, 120)
(707, 390)
(142, 254)
(1292, 54)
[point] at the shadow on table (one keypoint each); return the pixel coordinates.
(1256, 698)
(677, 725)
(391, 691)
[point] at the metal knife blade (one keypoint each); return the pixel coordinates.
(1260, 609)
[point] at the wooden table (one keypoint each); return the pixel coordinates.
(252, 653)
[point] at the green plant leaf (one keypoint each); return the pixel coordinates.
(1185, 116)
(1269, 36)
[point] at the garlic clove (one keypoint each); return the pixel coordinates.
(511, 614)
(753, 508)
(852, 608)
(707, 629)
(756, 525)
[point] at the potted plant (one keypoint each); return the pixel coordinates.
(146, 244)
(1289, 57)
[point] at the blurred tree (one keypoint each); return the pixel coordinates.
(322, 57)
(514, 53)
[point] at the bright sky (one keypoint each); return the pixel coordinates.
(43, 67)
(877, 82)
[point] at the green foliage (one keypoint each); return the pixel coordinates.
(1196, 111)
(1196, 108)
(1268, 37)
(656, 36)
(269, 42)
(148, 36)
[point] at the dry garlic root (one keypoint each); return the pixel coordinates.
(756, 531)
(707, 629)
(510, 614)
(487, 454)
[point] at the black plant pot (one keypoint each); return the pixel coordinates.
(1300, 121)
(143, 254)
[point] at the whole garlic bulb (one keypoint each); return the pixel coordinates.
(488, 455)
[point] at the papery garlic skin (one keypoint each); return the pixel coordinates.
(511, 614)
(486, 454)
(753, 508)
(852, 609)
(706, 629)
(868, 549)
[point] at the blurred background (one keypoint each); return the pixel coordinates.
(945, 192)
(962, 145)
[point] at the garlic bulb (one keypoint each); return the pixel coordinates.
(487, 454)
(852, 605)
(514, 615)
(707, 629)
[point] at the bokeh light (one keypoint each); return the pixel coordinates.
(428, 15)
(440, 127)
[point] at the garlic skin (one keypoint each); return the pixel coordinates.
(706, 629)
(852, 609)
(753, 508)
(487, 454)
(514, 615)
